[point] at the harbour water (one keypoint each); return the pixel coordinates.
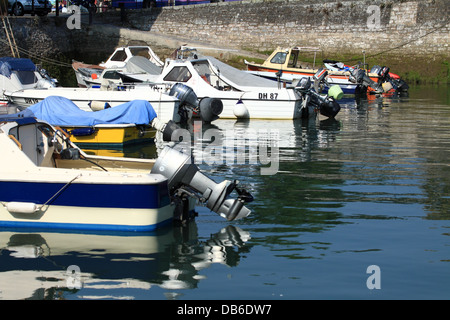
(359, 208)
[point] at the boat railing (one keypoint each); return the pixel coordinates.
(159, 87)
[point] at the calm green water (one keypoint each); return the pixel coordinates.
(372, 188)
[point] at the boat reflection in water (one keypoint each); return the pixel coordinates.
(47, 265)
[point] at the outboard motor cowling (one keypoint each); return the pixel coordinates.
(208, 108)
(185, 177)
(185, 94)
(329, 108)
(166, 128)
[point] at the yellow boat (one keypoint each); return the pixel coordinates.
(106, 136)
(285, 64)
(127, 124)
(142, 150)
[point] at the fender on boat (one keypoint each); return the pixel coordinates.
(22, 207)
(240, 110)
(98, 105)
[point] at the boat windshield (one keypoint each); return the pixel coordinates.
(120, 55)
(26, 77)
(178, 74)
(203, 68)
(140, 51)
(279, 57)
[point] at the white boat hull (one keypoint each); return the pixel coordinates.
(85, 218)
(48, 182)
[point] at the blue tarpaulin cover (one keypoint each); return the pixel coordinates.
(59, 111)
(8, 64)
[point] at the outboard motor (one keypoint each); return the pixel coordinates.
(185, 178)
(360, 77)
(208, 108)
(319, 78)
(383, 73)
(166, 128)
(326, 105)
(46, 81)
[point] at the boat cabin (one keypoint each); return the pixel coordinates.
(20, 73)
(291, 58)
(38, 144)
(122, 55)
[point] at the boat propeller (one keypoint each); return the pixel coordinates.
(184, 177)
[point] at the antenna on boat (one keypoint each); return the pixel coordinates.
(364, 59)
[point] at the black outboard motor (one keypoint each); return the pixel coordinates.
(326, 105)
(400, 85)
(208, 108)
(360, 77)
(383, 73)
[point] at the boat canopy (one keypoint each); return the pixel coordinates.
(138, 64)
(60, 111)
(239, 77)
(9, 64)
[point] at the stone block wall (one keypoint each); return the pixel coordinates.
(404, 34)
(415, 27)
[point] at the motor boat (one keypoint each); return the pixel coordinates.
(46, 181)
(21, 73)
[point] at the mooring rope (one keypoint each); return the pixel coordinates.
(61, 190)
(400, 45)
(36, 56)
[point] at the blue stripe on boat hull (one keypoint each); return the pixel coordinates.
(346, 89)
(138, 196)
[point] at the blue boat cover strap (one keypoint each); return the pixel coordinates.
(8, 65)
(60, 111)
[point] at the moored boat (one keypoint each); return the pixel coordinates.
(169, 103)
(284, 64)
(22, 73)
(46, 181)
(127, 59)
(130, 123)
(244, 96)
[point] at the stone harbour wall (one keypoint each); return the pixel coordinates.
(412, 36)
(415, 27)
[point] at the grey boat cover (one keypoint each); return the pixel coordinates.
(240, 77)
(138, 64)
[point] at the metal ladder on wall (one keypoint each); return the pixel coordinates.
(10, 35)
